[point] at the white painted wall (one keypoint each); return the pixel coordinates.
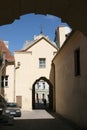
(29, 70)
(9, 91)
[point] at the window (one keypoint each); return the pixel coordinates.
(38, 85)
(77, 61)
(42, 62)
(4, 81)
(18, 64)
(43, 85)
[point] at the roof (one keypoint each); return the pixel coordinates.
(29, 44)
(9, 57)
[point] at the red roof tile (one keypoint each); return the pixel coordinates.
(4, 49)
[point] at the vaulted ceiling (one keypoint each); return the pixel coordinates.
(74, 12)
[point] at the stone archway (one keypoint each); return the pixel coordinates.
(70, 11)
(50, 94)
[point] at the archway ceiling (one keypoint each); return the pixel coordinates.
(74, 12)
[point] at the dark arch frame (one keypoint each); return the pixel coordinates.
(50, 93)
(72, 12)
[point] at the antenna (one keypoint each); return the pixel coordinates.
(41, 29)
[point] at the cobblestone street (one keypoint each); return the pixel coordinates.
(39, 120)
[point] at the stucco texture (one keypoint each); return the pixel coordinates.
(71, 94)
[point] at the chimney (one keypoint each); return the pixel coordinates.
(61, 33)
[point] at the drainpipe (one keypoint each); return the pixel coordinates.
(15, 68)
(14, 86)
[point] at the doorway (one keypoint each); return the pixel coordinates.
(42, 94)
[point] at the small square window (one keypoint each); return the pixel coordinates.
(42, 62)
(18, 64)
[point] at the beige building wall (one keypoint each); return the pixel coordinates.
(71, 90)
(29, 70)
(9, 90)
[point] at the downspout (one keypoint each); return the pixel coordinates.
(15, 68)
(14, 83)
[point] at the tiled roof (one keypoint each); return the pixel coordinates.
(9, 57)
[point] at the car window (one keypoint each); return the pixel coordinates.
(12, 105)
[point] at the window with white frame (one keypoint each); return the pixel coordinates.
(4, 81)
(42, 62)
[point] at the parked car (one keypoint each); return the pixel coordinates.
(2, 104)
(12, 109)
(4, 119)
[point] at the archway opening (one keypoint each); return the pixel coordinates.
(42, 94)
(23, 35)
(16, 34)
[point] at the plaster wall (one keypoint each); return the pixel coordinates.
(29, 70)
(71, 94)
(9, 90)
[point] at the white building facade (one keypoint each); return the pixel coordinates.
(32, 63)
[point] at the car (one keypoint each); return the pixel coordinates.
(4, 119)
(12, 109)
(2, 104)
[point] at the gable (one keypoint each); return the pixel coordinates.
(41, 44)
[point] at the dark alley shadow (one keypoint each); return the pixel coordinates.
(58, 123)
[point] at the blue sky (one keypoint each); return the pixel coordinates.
(28, 26)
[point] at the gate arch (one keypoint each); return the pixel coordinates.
(69, 10)
(50, 93)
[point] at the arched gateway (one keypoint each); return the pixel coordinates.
(42, 94)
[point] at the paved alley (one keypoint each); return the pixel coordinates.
(39, 120)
